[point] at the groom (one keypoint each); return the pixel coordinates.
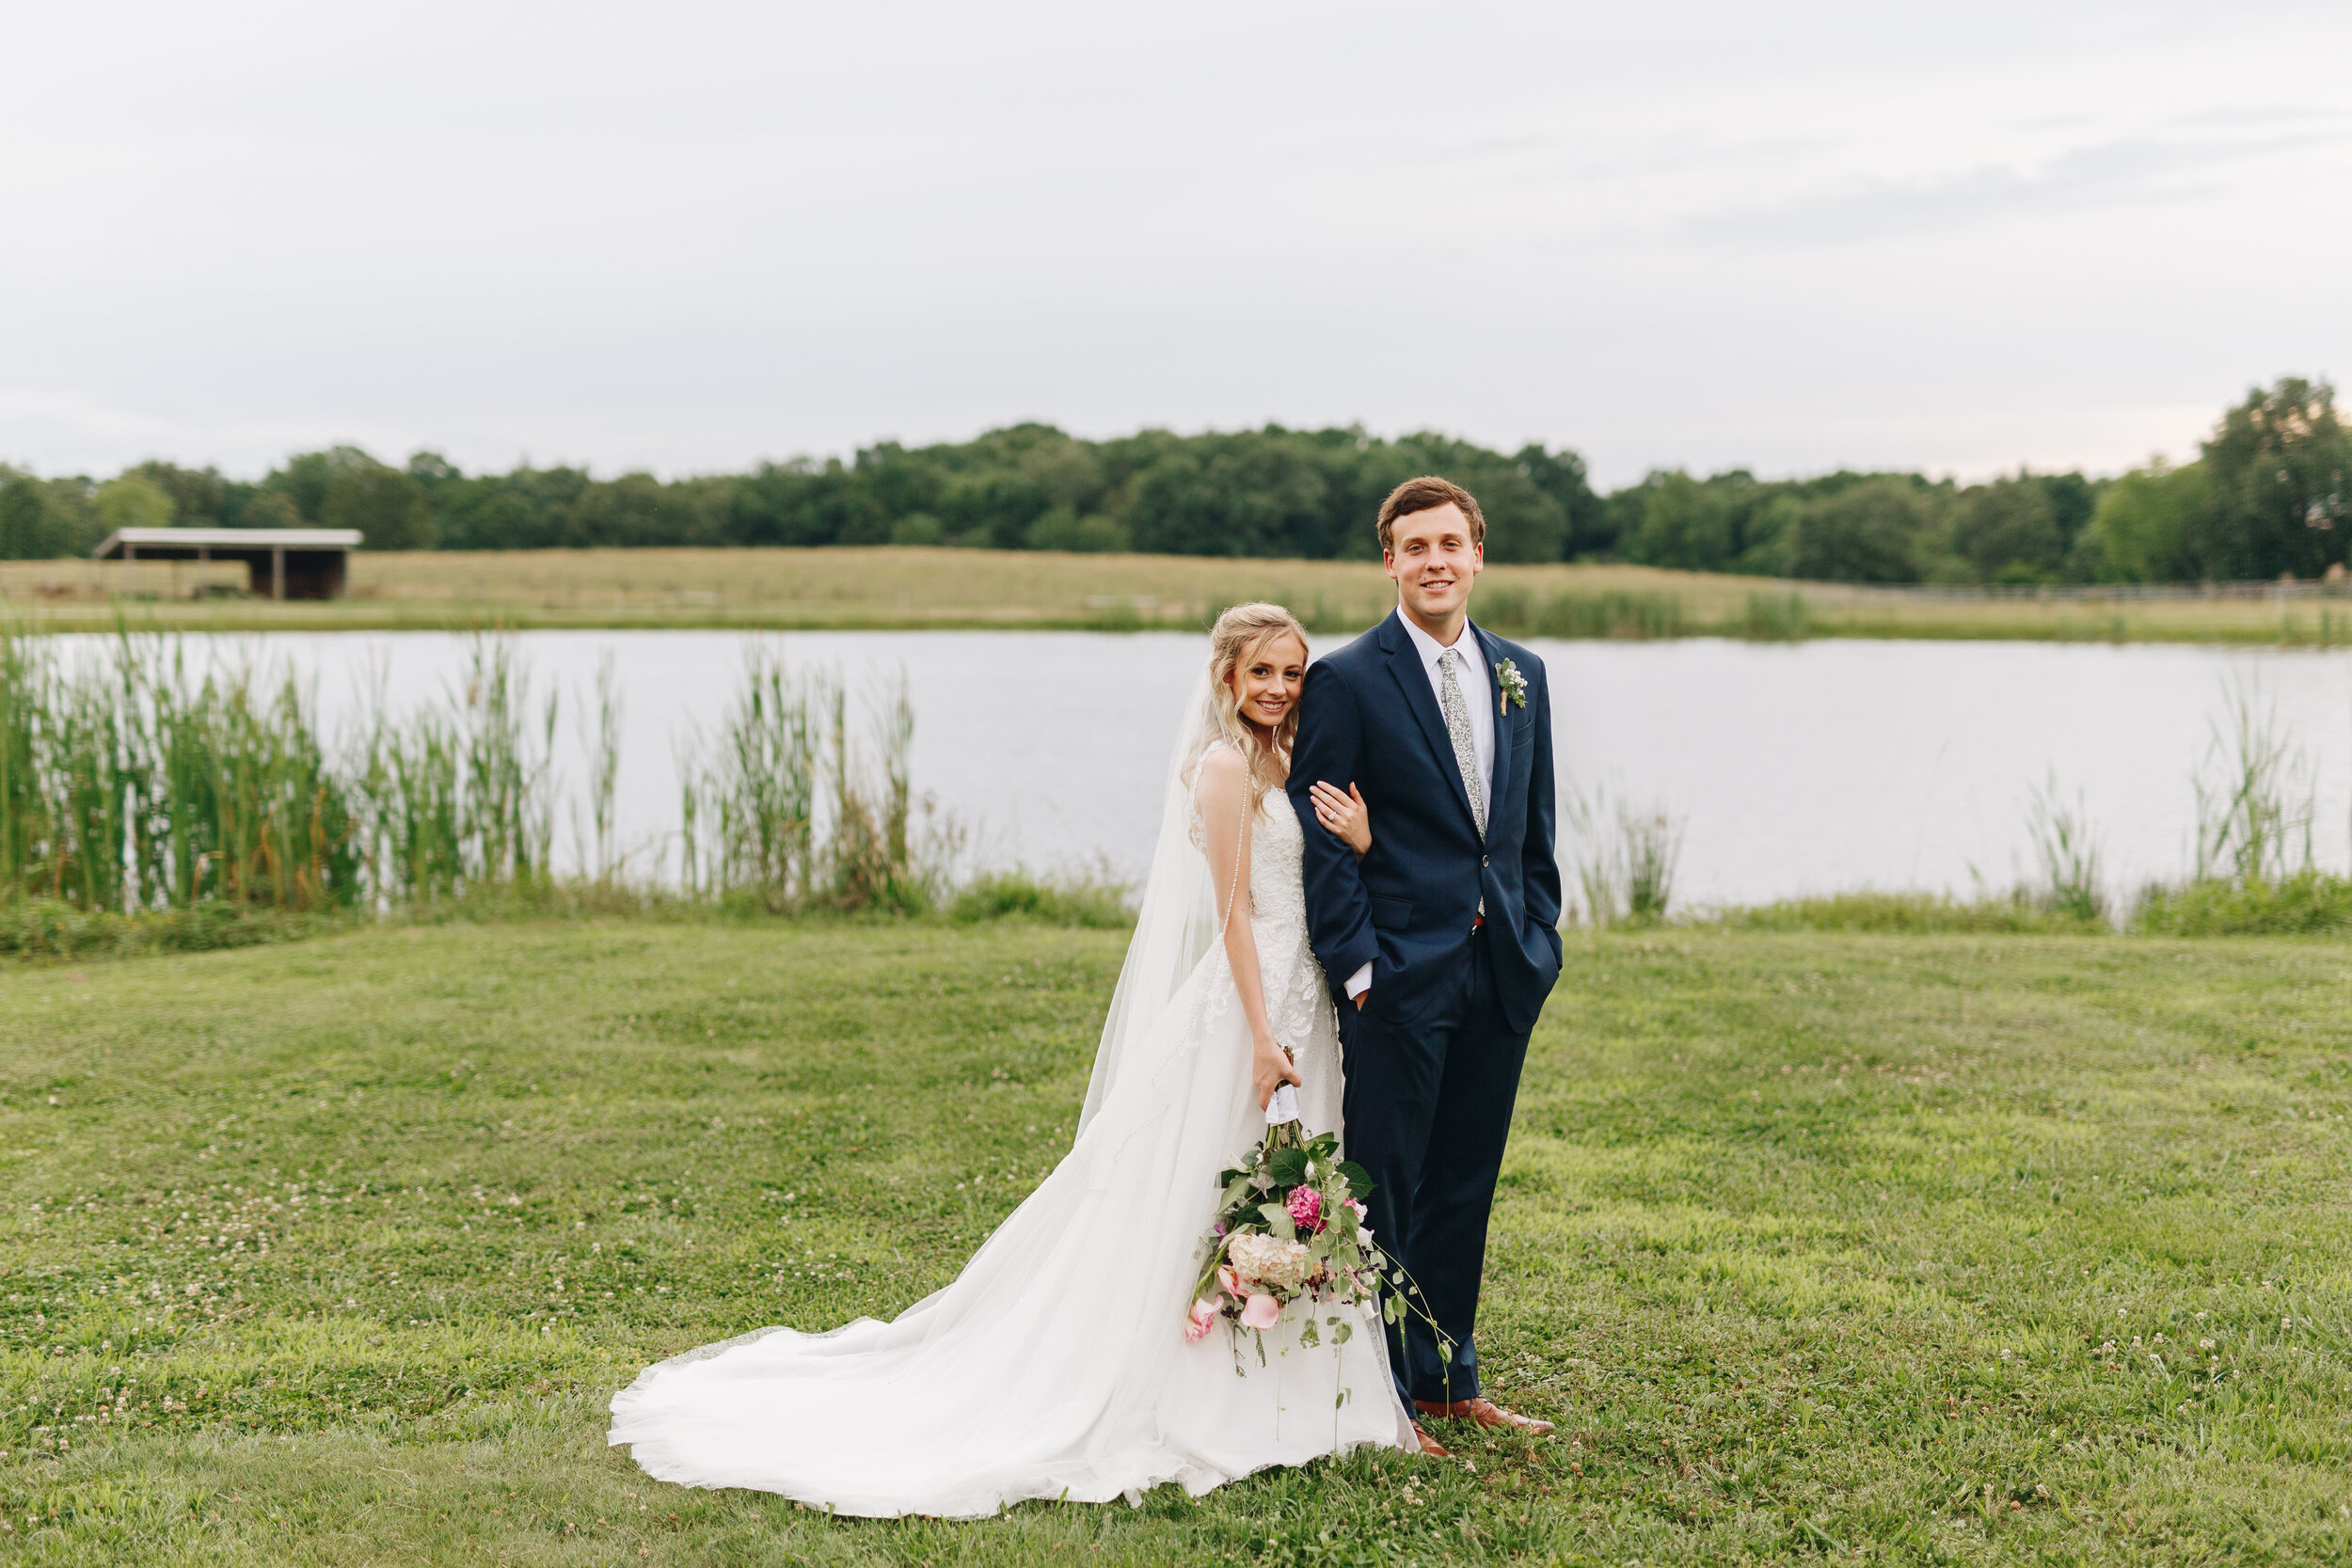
(1442, 942)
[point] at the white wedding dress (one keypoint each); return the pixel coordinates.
(1056, 1365)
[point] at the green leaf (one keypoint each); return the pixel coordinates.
(1289, 1166)
(1342, 1331)
(1359, 1182)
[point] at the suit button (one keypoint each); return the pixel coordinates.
(1482, 862)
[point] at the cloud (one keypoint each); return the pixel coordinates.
(690, 238)
(2136, 171)
(63, 431)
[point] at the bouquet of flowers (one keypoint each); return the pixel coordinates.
(1290, 1227)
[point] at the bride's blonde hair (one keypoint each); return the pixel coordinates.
(1236, 639)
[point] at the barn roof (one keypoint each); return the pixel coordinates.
(228, 539)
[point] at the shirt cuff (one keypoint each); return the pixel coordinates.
(1359, 983)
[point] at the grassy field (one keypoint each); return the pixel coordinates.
(1900, 1250)
(949, 588)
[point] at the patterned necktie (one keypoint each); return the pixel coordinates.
(1457, 726)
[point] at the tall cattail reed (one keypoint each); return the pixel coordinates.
(873, 860)
(459, 801)
(750, 811)
(2256, 811)
(127, 784)
(1625, 867)
(23, 806)
(239, 799)
(599, 844)
(787, 809)
(2071, 880)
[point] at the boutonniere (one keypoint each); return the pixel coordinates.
(1513, 686)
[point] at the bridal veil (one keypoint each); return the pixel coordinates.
(1177, 922)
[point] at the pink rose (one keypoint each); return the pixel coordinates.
(1230, 1277)
(1362, 1213)
(1203, 1315)
(1306, 1207)
(1262, 1312)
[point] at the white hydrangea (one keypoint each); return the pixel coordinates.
(1271, 1262)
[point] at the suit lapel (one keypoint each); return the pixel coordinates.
(1413, 677)
(1502, 728)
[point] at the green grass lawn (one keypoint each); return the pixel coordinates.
(1915, 1249)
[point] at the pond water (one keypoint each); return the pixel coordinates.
(1793, 769)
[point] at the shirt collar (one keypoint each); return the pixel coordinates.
(1429, 648)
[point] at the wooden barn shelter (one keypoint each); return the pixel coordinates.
(300, 563)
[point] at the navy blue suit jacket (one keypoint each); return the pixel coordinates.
(1368, 717)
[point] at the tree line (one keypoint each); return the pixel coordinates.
(2266, 494)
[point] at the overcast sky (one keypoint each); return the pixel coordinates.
(689, 236)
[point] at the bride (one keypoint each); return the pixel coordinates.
(1056, 1365)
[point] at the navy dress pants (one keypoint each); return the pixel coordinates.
(1427, 1108)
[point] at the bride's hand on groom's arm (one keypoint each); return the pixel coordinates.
(1271, 1068)
(1346, 817)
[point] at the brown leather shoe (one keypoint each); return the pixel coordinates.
(1485, 1413)
(1430, 1448)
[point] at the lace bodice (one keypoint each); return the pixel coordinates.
(1294, 994)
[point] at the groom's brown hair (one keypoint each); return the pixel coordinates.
(1426, 494)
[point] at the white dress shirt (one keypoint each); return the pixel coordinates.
(1478, 689)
